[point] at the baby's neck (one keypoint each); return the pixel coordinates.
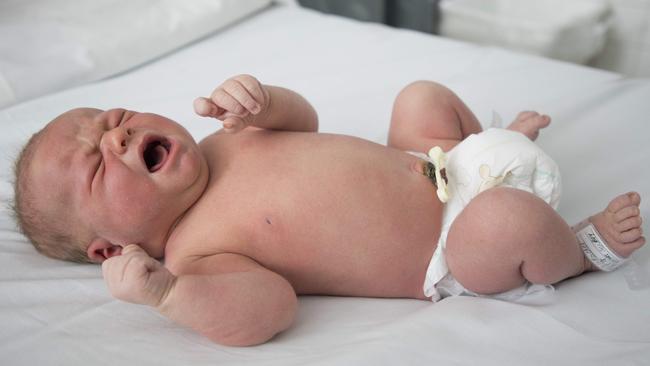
(171, 232)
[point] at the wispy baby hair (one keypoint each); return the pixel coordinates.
(47, 231)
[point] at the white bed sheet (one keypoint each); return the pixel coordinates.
(59, 313)
(51, 45)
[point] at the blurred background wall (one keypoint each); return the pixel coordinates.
(627, 49)
(627, 42)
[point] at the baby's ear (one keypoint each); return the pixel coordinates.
(100, 250)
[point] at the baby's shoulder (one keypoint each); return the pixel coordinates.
(201, 234)
(210, 261)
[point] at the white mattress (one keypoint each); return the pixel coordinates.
(60, 313)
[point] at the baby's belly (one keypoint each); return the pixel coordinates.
(357, 220)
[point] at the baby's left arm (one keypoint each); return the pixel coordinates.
(243, 101)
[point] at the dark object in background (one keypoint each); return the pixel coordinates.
(421, 15)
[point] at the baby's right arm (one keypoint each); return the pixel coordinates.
(228, 298)
(243, 101)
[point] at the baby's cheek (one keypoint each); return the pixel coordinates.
(133, 199)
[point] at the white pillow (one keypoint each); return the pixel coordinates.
(48, 45)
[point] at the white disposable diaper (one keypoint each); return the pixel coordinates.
(496, 157)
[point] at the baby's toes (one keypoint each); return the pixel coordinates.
(541, 121)
(625, 215)
(630, 223)
(629, 236)
(524, 115)
(631, 240)
(625, 205)
(627, 212)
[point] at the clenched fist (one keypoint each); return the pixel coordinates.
(135, 277)
(236, 102)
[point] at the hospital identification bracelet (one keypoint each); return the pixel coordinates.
(595, 248)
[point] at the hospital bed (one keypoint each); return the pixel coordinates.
(59, 313)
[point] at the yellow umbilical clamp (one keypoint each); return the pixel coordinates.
(439, 159)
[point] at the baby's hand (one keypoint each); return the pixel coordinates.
(135, 277)
(235, 102)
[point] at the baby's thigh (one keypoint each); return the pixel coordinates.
(493, 235)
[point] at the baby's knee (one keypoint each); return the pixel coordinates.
(422, 91)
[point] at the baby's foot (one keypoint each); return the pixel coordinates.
(529, 123)
(620, 226)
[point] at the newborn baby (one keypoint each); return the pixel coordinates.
(267, 208)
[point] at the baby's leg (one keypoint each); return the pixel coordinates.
(506, 237)
(427, 114)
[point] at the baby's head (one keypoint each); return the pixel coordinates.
(93, 181)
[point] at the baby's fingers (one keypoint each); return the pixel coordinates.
(204, 107)
(233, 124)
(253, 87)
(241, 94)
(132, 248)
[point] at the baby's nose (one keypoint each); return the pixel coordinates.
(116, 140)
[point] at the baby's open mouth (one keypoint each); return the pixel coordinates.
(155, 153)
